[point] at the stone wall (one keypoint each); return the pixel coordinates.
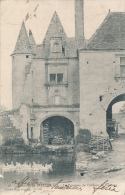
(36, 89)
(98, 87)
(20, 70)
(41, 114)
(13, 124)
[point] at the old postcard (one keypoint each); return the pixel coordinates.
(62, 97)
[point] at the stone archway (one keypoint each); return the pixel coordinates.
(110, 124)
(57, 130)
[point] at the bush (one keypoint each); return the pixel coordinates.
(14, 142)
(7, 142)
(62, 150)
(40, 149)
(82, 147)
(84, 136)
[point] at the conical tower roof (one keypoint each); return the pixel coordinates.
(22, 44)
(55, 28)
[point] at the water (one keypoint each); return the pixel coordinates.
(63, 168)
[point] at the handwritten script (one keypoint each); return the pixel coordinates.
(34, 185)
(105, 186)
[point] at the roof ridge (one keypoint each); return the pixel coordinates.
(117, 12)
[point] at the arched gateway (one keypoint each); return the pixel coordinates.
(57, 130)
(110, 123)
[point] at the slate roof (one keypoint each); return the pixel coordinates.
(55, 29)
(31, 38)
(110, 35)
(27, 44)
(22, 45)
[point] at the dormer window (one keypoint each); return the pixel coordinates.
(56, 45)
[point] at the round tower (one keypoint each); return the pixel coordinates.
(21, 63)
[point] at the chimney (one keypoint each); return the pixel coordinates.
(79, 19)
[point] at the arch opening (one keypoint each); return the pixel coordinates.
(57, 130)
(113, 121)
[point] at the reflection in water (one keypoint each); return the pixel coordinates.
(25, 167)
(63, 167)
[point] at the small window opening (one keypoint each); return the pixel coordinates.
(27, 56)
(52, 78)
(122, 70)
(122, 60)
(63, 50)
(59, 78)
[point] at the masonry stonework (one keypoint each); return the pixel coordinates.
(66, 77)
(99, 88)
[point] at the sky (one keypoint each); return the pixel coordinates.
(13, 12)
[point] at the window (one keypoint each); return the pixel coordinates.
(122, 66)
(122, 70)
(56, 44)
(27, 56)
(56, 78)
(59, 78)
(56, 47)
(63, 50)
(122, 60)
(52, 78)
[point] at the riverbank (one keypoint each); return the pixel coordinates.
(111, 165)
(36, 149)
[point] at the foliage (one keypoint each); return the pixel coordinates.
(40, 149)
(82, 147)
(18, 146)
(14, 142)
(84, 136)
(12, 133)
(62, 150)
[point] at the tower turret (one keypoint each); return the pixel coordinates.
(22, 44)
(21, 57)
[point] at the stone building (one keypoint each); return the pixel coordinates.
(102, 73)
(65, 84)
(45, 80)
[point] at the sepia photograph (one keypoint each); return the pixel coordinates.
(62, 97)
